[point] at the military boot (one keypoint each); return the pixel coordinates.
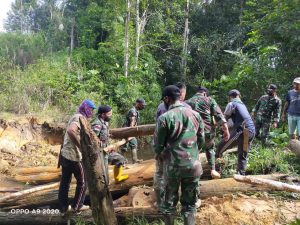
(189, 219)
(135, 157)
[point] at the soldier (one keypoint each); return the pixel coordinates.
(70, 160)
(209, 110)
(292, 108)
(158, 181)
(243, 130)
(162, 108)
(178, 135)
(266, 113)
(131, 120)
(101, 127)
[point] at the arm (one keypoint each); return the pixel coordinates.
(73, 134)
(200, 133)
(284, 110)
(228, 111)
(276, 114)
(256, 107)
(160, 136)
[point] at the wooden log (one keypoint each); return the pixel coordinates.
(133, 171)
(208, 189)
(23, 218)
(125, 132)
(294, 146)
(275, 185)
(36, 170)
(97, 180)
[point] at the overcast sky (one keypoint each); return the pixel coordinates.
(5, 7)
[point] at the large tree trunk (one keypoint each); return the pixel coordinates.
(208, 189)
(33, 176)
(125, 132)
(97, 180)
(126, 52)
(137, 33)
(276, 185)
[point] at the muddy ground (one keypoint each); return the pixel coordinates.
(27, 142)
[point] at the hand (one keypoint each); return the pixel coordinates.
(226, 135)
(274, 125)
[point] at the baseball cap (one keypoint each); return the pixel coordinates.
(297, 80)
(234, 93)
(171, 91)
(90, 103)
(104, 109)
(141, 101)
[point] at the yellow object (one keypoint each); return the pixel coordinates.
(118, 174)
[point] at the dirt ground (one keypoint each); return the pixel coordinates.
(248, 210)
(23, 143)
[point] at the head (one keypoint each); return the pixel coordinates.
(203, 91)
(140, 104)
(170, 95)
(104, 112)
(233, 94)
(182, 89)
(296, 84)
(86, 108)
(271, 90)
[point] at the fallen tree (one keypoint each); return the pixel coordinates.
(208, 189)
(276, 185)
(32, 175)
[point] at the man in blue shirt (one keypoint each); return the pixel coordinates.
(243, 130)
(292, 108)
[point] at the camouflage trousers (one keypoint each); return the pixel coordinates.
(159, 182)
(132, 144)
(188, 178)
(209, 149)
(262, 130)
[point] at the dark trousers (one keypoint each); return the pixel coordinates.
(68, 168)
(236, 139)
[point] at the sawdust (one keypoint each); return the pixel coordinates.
(248, 210)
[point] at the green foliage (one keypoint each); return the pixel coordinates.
(296, 222)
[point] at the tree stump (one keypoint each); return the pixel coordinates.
(93, 162)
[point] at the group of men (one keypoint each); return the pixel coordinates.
(183, 128)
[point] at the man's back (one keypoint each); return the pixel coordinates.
(178, 130)
(207, 108)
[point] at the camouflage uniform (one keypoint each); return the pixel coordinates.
(208, 109)
(100, 127)
(178, 135)
(132, 144)
(266, 111)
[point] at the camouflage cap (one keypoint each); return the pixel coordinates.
(272, 86)
(141, 101)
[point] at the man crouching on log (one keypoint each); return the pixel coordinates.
(70, 160)
(178, 133)
(100, 127)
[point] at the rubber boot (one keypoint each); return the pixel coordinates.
(169, 219)
(118, 174)
(134, 156)
(189, 219)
